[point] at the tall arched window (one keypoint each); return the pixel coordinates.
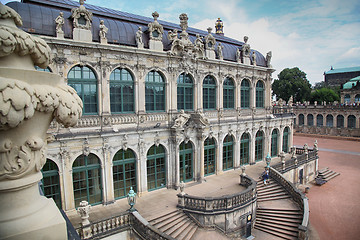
(185, 89)
(83, 80)
(319, 120)
(301, 119)
(124, 172)
(340, 121)
(244, 148)
(329, 120)
(209, 156)
(245, 94)
(121, 91)
(51, 182)
(156, 168)
(154, 92)
(87, 180)
(274, 142)
(209, 93)
(285, 146)
(310, 120)
(228, 93)
(186, 161)
(228, 153)
(259, 94)
(351, 121)
(347, 98)
(357, 98)
(259, 145)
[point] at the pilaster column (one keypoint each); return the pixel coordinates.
(220, 93)
(141, 168)
(140, 93)
(280, 142)
(108, 173)
(252, 147)
(172, 95)
(237, 150)
(200, 154)
(219, 154)
(104, 86)
(267, 142)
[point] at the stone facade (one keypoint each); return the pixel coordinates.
(103, 134)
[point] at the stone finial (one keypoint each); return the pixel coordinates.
(243, 168)
(183, 21)
(83, 210)
(182, 188)
(155, 16)
(209, 29)
(219, 26)
(306, 148)
(316, 145)
(293, 151)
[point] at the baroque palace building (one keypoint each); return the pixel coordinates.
(160, 105)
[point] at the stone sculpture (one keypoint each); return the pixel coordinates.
(245, 51)
(210, 44)
(156, 32)
(29, 100)
(220, 51)
(254, 58)
(268, 59)
(82, 22)
(139, 39)
(181, 120)
(102, 32)
(238, 56)
(59, 24)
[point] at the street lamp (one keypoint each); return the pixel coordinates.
(131, 199)
(268, 160)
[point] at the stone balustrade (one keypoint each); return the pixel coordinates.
(301, 159)
(298, 197)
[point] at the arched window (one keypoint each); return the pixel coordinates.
(310, 120)
(244, 149)
(154, 92)
(245, 94)
(209, 93)
(228, 153)
(87, 180)
(347, 98)
(124, 173)
(209, 156)
(285, 146)
(186, 162)
(357, 98)
(83, 80)
(156, 168)
(121, 91)
(185, 91)
(259, 94)
(319, 120)
(43, 69)
(329, 120)
(274, 143)
(51, 182)
(228, 93)
(259, 145)
(351, 121)
(301, 119)
(340, 121)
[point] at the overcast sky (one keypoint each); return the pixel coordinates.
(310, 34)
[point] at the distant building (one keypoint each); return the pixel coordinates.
(339, 76)
(350, 92)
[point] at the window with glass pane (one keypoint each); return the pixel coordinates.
(228, 153)
(329, 120)
(310, 120)
(87, 180)
(319, 120)
(351, 121)
(357, 98)
(51, 182)
(154, 92)
(42, 69)
(209, 156)
(185, 92)
(121, 91)
(340, 121)
(83, 80)
(124, 173)
(228, 93)
(301, 119)
(259, 94)
(259, 142)
(245, 94)
(209, 93)
(285, 146)
(156, 168)
(186, 162)
(244, 149)
(274, 143)
(347, 98)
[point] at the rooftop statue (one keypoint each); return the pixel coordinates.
(82, 18)
(139, 38)
(59, 23)
(246, 47)
(268, 59)
(220, 51)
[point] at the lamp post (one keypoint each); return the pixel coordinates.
(268, 160)
(131, 199)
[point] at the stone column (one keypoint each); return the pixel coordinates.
(219, 155)
(252, 147)
(237, 150)
(29, 101)
(280, 142)
(267, 142)
(220, 98)
(200, 160)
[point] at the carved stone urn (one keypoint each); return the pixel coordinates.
(29, 100)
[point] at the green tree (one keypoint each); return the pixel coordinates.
(324, 94)
(292, 82)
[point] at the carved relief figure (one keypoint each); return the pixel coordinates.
(181, 120)
(198, 42)
(139, 39)
(60, 22)
(220, 51)
(173, 35)
(103, 30)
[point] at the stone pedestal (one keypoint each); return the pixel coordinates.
(156, 45)
(103, 40)
(247, 61)
(82, 35)
(60, 35)
(210, 54)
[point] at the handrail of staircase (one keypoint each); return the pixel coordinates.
(301, 159)
(146, 230)
(226, 203)
(298, 197)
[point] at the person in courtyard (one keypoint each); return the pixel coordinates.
(266, 176)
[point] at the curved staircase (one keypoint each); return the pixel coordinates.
(277, 214)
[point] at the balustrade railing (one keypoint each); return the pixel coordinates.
(219, 204)
(301, 159)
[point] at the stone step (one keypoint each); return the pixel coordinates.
(277, 233)
(186, 227)
(293, 225)
(272, 192)
(159, 218)
(189, 234)
(290, 230)
(274, 187)
(282, 217)
(330, 175)
(323, 170)
(280, 211)
(271, 195)
(173, 224)
(161, 222)
(273, 198)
